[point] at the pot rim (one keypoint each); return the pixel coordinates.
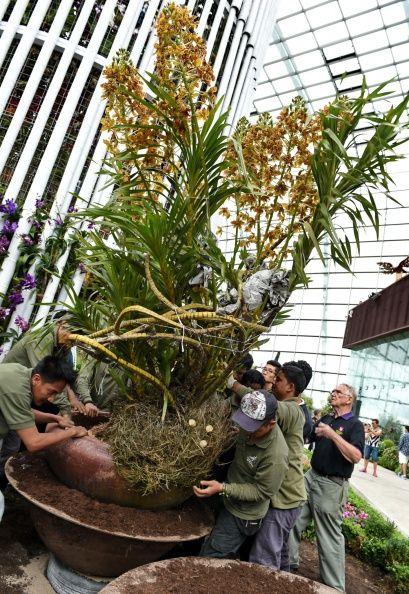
(60, 514)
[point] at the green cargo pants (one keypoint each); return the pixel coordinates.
(325, 501)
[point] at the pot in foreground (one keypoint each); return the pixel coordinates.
(197, 574)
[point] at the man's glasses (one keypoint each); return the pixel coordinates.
(339, 393)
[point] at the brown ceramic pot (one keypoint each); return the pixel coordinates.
(87, 547)
(86, 464)
(188, 574)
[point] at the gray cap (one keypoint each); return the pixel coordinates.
(255, 409)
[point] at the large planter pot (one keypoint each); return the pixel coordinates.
(86, 464)
(189, 574)
(81, 542)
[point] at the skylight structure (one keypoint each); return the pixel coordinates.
(320, 49)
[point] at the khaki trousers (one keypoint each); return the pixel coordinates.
(324, 505)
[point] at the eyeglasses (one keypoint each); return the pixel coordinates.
(339, 393)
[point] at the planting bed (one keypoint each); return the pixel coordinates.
(188, 574)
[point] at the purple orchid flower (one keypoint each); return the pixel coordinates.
(9, 207)
(9, 228)
(27, 240)
(28, 282)
(36, 224)
(15, 298)
(21, 323)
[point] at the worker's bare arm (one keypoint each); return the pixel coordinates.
(35, 441)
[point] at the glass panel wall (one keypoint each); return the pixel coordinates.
(380, 373)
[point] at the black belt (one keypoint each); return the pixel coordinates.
(340, 480)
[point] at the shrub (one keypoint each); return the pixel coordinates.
(373, 550)
(385, 444)
(309, 532)
(354, 535)
(377, 527)
(400, 573)
(389, 459)
(397, 551)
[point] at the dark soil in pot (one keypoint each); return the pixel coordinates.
(90, 422)
(201, 576)
(33, 475)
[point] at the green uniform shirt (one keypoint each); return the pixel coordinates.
(95, 384)
(291, 420)
(15, 398)
(29, 350)
(255, 475)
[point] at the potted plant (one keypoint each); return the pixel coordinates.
(172, 308)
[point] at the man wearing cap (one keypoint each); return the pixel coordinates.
(271, 543)
(254, 476)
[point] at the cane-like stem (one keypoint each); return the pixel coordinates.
(156, 336)
(155, 289)
(140, 309)
(77, 338)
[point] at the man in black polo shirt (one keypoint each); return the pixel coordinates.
(339, 444)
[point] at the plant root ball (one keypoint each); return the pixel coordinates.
(152, 455)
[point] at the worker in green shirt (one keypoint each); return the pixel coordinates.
(271, 544)
(95, 385)
(19, 387)
(254, 477)
(28, 351)
(32, 347)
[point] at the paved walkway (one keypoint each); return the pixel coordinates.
(388, 493)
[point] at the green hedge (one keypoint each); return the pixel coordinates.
(383, 445)
(389, 459)
(373, 539)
